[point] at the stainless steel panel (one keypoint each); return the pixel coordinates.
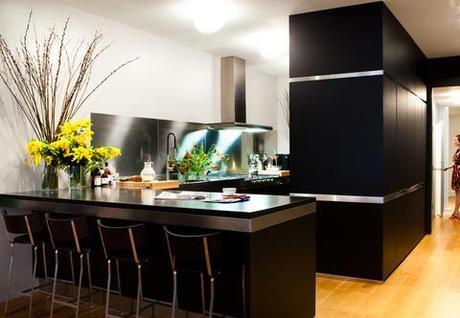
(144, 139)
(233, 89)
(335, 76)
(361, 199)
(341, 198)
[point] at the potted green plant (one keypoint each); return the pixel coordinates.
(197, 162)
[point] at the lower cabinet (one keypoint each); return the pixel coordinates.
(368, 240)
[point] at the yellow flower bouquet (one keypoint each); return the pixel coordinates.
(71, 151)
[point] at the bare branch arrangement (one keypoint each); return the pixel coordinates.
(48, 81)
(283, 103)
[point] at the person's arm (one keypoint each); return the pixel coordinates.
(447, 168)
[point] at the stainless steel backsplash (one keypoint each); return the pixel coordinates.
(144, 139)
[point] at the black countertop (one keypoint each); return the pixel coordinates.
(131, 204)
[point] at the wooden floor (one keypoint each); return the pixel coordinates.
(427, 284)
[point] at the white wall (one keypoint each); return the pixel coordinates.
(441, 158)
(170, 81)
(262, 95)
(260, 98)
(283, 127)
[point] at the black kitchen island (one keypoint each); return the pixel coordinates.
(272, 237)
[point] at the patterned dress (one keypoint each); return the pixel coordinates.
(455, 184)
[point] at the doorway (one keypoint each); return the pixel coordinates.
(445, 126)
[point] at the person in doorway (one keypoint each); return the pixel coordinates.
(455, 183)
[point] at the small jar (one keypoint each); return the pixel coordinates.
(148, 173)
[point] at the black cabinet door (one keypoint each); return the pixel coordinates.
(403, 60)
(390, 117)
(336, 136)
(421, 141)
(412, 137)
(402, 139)
(336, 41)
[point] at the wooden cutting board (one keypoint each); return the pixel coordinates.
(154, 185)
(281, 173)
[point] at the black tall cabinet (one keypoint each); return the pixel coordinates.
(358, 136)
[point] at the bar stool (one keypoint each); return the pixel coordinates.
(201, 253)
(70, 235)
(24, 229)
(124, 243)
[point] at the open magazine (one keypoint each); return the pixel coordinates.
(183, 195)
(216, 198)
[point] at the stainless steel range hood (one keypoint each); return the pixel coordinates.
(233, 97)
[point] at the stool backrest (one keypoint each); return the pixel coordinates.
(194, 252)
(124, 240)
(67, 233)
(22, 224)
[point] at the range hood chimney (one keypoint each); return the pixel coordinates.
(233, 97)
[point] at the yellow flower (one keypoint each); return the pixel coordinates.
(66, 129)
(36, 159)
(63, 145)
(83, 123)
(106, 153)
(84, 137)
(35, 146)
(75, 127)
(34, 149)
(113, 152)
(81, 153)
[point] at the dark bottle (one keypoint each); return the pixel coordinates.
(96, 178)
(108, 173)
(104, 178)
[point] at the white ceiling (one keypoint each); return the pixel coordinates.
(448, 96)
(434, 24)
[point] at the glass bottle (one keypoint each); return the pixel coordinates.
(148, 173)
(96, 178)
(108, 172)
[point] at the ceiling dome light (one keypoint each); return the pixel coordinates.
(209, 15)
(272, 45)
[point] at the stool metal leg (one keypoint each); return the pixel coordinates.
(72, 268)
(80, 279)
(211, 301)
(32, 283)
(107, 297)
(174, 302)
(45, 267)
(243, 288)
(56, 267)
(10, 276)
(139, 289)
(203, 301)
(90, 281)
(117, 265)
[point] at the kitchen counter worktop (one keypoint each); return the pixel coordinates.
(259, 212)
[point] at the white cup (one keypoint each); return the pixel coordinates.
(228, 190)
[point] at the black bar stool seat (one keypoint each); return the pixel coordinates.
(25, 239)
(198, 251)
(24, 229)
(127, 243)
(70, 234)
